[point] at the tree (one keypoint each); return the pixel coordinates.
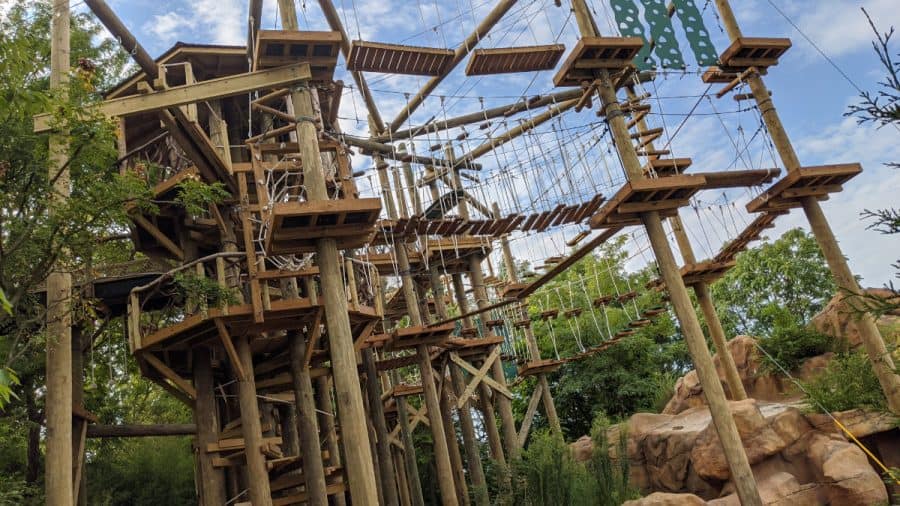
(780, 283)
(883, 109)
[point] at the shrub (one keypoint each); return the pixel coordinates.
(790, 344)
(848, 382)
(610, 470)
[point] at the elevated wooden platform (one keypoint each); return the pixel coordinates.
(661, 167)
(473, 347)
(404, 390)
(453, 253)
(701, 272)
(592, 54)
(398, 59)
(816, 182)
(275, 48)
(296, 226)
(506, 60)
(512, 290)
(758, 52)
(410, 337)
(386, 263)
(664, 194)
(535, 367)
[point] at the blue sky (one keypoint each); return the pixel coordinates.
(528, 175)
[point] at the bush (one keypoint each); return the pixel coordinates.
(790, 344)
(610, 469)
(848, 382)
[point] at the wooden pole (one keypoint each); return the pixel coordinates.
(251, 429)
(326, 424)
(125, 430)
(681, 303)
(459, 475)
(212, 479)
(307, 425)
(533, 351)
(467, 428)
(410, 183)
(504, 404)
(354, 436)
(409, 452)
(704, 298)
(58, 466)
(376, 408)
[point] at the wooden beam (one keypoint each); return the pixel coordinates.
(192, 93)
(478, 376)
(148, 430)
(183, 384)
(529, 414)
(228, 344)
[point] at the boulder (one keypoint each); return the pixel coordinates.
(781, 489)
(666, 499)
(838, 318)
(845, 471)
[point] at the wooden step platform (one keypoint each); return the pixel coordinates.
(506, 60)
(549, 314)
(573, 313)
(276, 48)
(751, 233)
(410, 337)
(536, 367)
(296, 226)
(452, 254)
(386, 263)
(404, 390)
(626, 297)
(758, 52)
(640, 323)
(816, 182)
(664, 194)
(512, 290)
(473, 347)
(398, 59)
(592, 54)
(653, 312)
(700, 272)
(662, 167)
(521, 324)
(603, 300)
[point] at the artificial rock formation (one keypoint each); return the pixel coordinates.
(796, 457)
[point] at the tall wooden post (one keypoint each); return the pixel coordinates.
(58, 466)
(432, 402)
(704, 298)
(307, 425)
(359, 460)
(376, 408)
(467, 428)
(326, 424)
(487, 407)
(212, 479)
(504, 404)
(409, 452)
(251, 429)
(681, 303)
(533, 351)
(881, 359)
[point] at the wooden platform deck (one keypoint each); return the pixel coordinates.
(535, 367)
(664, 194)
(661, 167)
(410, 337)
(592, 54)
(700, 272)
(398, 59)
(276, 48)
(296, 226)
(816, 182)
(511, 290)
(506, 60)
(452, 254)
(757, 52)
(473, 347)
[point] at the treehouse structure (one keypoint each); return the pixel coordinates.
(318, 314)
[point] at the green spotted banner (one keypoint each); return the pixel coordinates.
(665, 51)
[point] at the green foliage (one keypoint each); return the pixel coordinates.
(8, 379)
(790, 344)
(196, 196)
(848, 382)
(779, 281)
(145, 471)
(610, 467)
(17, 492)
(201, 291)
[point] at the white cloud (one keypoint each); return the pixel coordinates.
(168, 26)
(838, 27)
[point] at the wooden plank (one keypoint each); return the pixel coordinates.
(192, 93)
(503, 60)
(529, 414)
(171, 375)
(225, 337)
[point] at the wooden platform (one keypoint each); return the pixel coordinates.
(536, 367)
(275, 48)
(506, 60)
(398, 59)
(758, 52)
(410, 337)
(511, 290)
(452, 254)
(473, 347)
(592, 54)
(404, 390)
(664, 194)
(700, 272)
(386, 263)
(296, 226)
(662, 167)
(804, 182)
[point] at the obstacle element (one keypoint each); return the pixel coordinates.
(296, 226)
(592, 54)
(398, 59)
(505, 60)
(817, 182)
(275, 48)
(664, 195)
(536, 367)
(757, 52)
